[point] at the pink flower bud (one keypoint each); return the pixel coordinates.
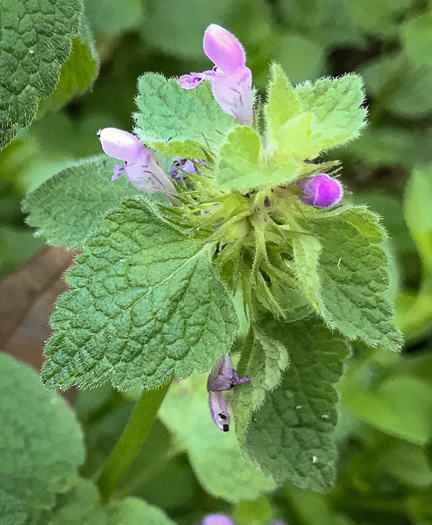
(320, 191)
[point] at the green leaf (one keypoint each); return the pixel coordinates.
(77, 75)
(282, 102)
(146, 304)
(312, 118)
(41, 444)
(68, 207)
(215, 456)
(36, 41)
(306, 250)
(335, 106)
(178, 121)
(353, 277)
(263, 359)
(133, 511)
(80, 505)
(418, 214)
(11, 510)
(240, 166)
(290, 437)
(400, 406)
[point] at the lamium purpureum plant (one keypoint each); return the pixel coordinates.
(227, 210)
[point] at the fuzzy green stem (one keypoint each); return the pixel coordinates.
(131, 440)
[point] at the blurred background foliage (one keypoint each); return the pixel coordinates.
(385, 429)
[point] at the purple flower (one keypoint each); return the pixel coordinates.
(217, 519)
(140, 165)
(231, 80)
(185, 165)
(320, 190)
(222, 378)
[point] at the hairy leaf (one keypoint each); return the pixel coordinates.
(215, 456)
(146, 304)
(290, 437)
(335, 106)
(178, 121)
(80, 505)
(41, 444)
(77, 75)
(36, 40)
(240, 166)
(354, 279)
(264, 358)
(67, 208)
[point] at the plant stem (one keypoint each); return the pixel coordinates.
(131, 440)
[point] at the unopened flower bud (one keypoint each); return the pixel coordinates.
(320, 191)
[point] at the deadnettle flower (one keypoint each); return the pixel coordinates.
(181, 163)
(140, 165)
(320, 191)
(231, 80)
(222, 378)
(217, 519)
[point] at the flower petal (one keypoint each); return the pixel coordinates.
(223, 49)
(191, 81)
(121, 144)
(219, 411)
(320, 190)
(149, 177)
(234, 93)
(217, 519)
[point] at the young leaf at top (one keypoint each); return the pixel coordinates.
(215, 456)
(146, 304)
(180, 122)
(41, 444)
(290, 437)
(36, 39)
(77, 74)
(311, 118)
(335, 106)
(68, 207)
(353, 277)
(240, 166)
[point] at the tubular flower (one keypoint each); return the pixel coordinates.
(217, 519)
(320, 190)
(140, 165)
(231, 80)
(183, 164)
(222, 378)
